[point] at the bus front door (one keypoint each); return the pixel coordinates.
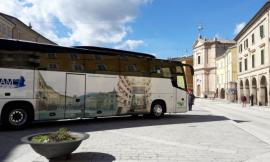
(75, 96)
(181, 101)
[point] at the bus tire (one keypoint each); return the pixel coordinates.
(157, 110)
(16, 116)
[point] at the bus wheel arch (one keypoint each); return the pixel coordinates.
(17, 114)
(156, 106)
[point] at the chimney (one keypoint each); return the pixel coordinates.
(30, 26)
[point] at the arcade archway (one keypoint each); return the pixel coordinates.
(263, 91)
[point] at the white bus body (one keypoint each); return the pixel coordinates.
(60, 95)
(29, 91)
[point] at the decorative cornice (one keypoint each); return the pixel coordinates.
(262, 45)
(253, 20)
(252, 51)
(212, 68)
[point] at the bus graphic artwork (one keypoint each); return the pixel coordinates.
(12, 83)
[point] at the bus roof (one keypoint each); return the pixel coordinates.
(19, 45)
(114, 51)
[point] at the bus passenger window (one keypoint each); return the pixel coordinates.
(166, 72)
(74, 56)
(98, 57)
(179, 70)
(101, 67)
(131, 68)
(157, 69)
(77, 67)
(53, 67)
(51, 56)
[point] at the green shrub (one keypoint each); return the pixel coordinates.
(60, 136)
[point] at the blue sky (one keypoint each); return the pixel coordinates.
(170, 27)
(160, 27)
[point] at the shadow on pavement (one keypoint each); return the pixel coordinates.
(241, 121)
(11, 139)
(87, 156)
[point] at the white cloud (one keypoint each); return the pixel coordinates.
(239, 27)
(89, 22)
(129, 44)
(217, 36)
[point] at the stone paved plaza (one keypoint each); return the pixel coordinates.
(201, 135)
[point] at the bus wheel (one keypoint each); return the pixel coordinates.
(16, 118)
(157, 110)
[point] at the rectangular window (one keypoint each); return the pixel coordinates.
(98, 57)
(9, 33)
(101, 67)
(123, 57)
(166, 72)
(240, 67)
(4, 29)
(246, 64)
(262, 57)
(246, 44)
(131, 68)
(253, 38)
(199, 60)
(74, 56)
(253, 61)
(52, 67)
(261, 31)
(51, 56)
(157, 69)
(77, 67)
(240, 48)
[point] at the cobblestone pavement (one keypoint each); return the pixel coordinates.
(201, 135)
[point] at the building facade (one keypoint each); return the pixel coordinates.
(227, 75)
(230, 59)
(253, 57)
(205, 53)
(13, 28)
(220, 80)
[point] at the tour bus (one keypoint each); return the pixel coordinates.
(50, 82)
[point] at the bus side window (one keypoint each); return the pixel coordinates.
(155, 68)
(179, 70)
(101, 64)
(18, 60)
(134, 66)
(166, 72)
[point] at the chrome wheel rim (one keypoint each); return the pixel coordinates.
(157, 110)
(17, 117)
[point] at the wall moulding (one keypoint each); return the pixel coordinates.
(262, 45)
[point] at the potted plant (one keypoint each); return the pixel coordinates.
(55, 144)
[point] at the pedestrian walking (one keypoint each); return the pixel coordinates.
(244, 101)
(251, 99)
(191, 99)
